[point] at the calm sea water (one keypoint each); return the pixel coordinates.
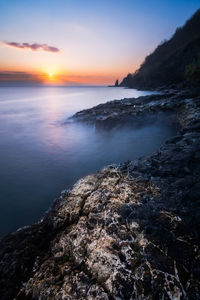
(39, 156)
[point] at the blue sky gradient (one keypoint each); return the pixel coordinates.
(96, 38)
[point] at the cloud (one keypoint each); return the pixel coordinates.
(33, 47)
(19, 77)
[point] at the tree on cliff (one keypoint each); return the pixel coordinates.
(192, 71)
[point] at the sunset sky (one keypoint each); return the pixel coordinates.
(83, 41)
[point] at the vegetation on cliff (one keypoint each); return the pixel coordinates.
(174, 61)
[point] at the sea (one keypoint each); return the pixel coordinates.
(41, 154)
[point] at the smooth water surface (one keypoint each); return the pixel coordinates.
(40, 156)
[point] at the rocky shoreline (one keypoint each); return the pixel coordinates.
(130, 231)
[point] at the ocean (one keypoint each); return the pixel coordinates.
(40, 155)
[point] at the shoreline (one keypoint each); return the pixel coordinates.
(130, 230)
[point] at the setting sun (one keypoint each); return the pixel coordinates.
(50, 75)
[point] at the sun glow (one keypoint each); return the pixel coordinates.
(52, 77)
(51, 74)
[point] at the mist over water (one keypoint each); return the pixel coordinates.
(40, 156)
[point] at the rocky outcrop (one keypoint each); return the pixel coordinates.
(136, 111)
(130, 231)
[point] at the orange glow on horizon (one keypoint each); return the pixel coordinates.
(68, 78)
(56, 76)
(54, 72)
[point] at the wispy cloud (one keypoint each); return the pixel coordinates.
(33, 47)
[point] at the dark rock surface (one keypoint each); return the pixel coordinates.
(130, 231)
(137, 111)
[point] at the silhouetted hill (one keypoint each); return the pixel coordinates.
(174, 61)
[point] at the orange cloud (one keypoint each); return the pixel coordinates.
(33, 47)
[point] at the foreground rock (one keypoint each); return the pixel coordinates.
(127, 232)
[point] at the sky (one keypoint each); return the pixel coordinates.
(83, 41)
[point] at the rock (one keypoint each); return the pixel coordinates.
(143, 110)
(130, 231)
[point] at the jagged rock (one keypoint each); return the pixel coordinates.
(130, 231)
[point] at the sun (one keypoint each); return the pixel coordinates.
(50, 75)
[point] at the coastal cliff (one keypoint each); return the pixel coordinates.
(174, 62)
(130, 231)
